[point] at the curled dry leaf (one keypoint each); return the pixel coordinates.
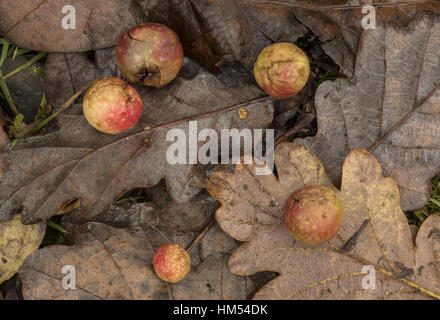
(375, 232)
(396, 87)
(17, 242)
(43, 173)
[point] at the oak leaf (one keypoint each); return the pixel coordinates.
(374, 232)
(44, 173)
(212, 32)
(105, 263)
(79, 25)
(391, 108)
(112, 263)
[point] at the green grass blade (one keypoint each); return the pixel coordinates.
(26, 65)
(3, 87)
(44, 122)
(19, 52)
(436, 202)
(22, 51)
(7, 94)
(4, 52)
(56, 226)
(13, 144)
(15, 53)
(11, 50)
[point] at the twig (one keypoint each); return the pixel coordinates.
(201, 235)
(304, 122)
(354, 238)
(200, 185)
(389, 273)
(405, 271)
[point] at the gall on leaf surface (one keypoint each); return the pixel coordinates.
(122, 264)
(374, 232)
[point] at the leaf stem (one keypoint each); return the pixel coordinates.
(201, 235)
(304, 122)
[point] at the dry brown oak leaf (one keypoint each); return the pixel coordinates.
(114, 263)
(216, 32)
(189, 224)
(44, 173)
(374, 232)
(78, 25)
(225, 31)
(208, 28)
(212, 32)
(396, 90)
(162, 219)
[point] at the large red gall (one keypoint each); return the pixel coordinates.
(282, 70)
(171, 263)
(313, 214)
(150, 54)
(112, 106)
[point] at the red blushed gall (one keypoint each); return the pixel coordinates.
(313, 214)
(282, 70)
(171, 263)
(112, 106)
(150, 54)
